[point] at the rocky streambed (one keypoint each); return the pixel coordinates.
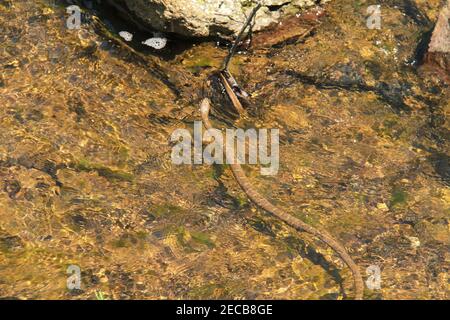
(86, 178)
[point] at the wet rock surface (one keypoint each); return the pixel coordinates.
(440, 42)
(439, 48)
(86, 177)
(211, 18)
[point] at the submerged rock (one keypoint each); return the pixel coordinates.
(210, 18)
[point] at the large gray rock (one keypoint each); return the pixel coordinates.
(204, 18)
(439, 49)
(440, 41)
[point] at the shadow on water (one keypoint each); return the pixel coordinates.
(296, 245)
(300, 247)
(116, 18)
(317, 258)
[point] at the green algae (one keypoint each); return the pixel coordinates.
(104, 171)
(398, 198)
(202, 238)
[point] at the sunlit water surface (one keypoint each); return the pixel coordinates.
(86, 177)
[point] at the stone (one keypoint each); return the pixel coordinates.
(211, 18)
(438, 55)
(440, 41)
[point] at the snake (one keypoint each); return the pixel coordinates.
(234, 92)
(262, 202)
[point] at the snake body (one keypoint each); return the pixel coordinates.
(292, 221)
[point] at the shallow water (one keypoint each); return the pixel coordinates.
(86, 177)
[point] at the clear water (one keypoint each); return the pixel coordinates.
(86, 177)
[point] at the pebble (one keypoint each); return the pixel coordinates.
(415, 242)
(382, 206)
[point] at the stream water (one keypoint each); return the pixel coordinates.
(86, 177)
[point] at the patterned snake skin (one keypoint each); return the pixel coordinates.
(287, 218)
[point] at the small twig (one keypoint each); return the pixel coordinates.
(248, 22)
(232, 95)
